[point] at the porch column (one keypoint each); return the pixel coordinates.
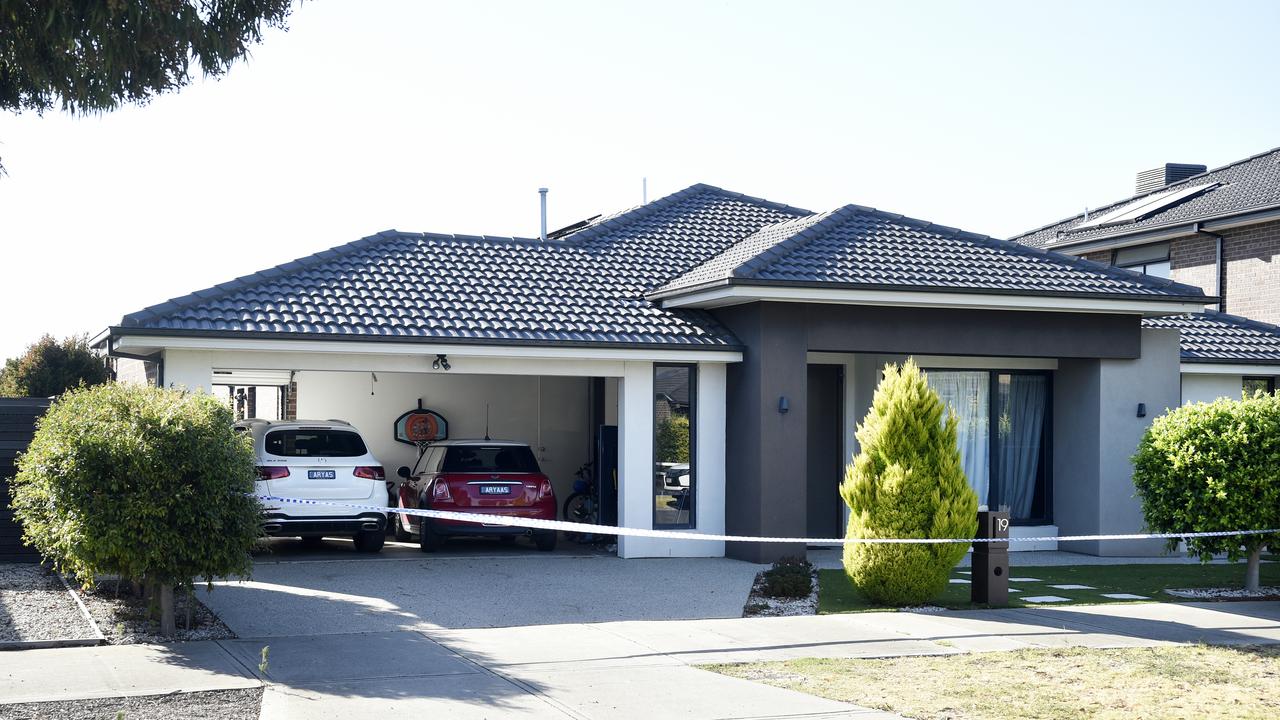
(766, 463)
(189, 369)
(635, 457)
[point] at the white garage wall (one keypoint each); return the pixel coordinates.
(1207, 388)
(549, 413)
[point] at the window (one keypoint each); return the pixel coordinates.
(429, 461)
(1254, 385)
(674, 477)
(1147, 259)
(489, 459)
(1002, 430)
(317, 442)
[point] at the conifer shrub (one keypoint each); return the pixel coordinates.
(906, 482)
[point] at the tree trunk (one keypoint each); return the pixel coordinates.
(1252, 568)
(168, 626)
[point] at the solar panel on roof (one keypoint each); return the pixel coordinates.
(1149, 205)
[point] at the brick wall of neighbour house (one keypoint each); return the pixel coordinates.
(139, 372)
(291, 402)
(1193, 260)
(1252, 258)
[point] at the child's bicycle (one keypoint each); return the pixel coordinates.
(583, 506)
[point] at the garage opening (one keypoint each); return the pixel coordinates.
(569, 422)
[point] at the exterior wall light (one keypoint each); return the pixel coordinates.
(441, 362)
(784, 405)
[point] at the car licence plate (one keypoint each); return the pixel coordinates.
(322, 474)
(495, 490)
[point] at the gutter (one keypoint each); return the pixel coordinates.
(1219, 278)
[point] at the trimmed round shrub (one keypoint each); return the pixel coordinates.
(141, 482)
(790, 577)
(906, 482)
(1214, 467)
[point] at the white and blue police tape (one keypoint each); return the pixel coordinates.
(535, 524)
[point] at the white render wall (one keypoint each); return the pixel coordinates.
(1197, 387)
(549, 413)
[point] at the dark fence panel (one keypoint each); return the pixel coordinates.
(17, 426)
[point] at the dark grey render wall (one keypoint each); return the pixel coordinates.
(926, 331)
(1076, 386)
(766, 463)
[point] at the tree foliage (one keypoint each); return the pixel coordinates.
(906, 482)
(49, 367)
(94, 55)
(1214, 467)
(141, 482)
(673, 439)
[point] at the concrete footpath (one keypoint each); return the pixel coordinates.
(629, 669)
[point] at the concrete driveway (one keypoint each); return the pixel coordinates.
(472, 584)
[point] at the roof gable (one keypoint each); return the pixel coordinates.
(587, 288)
(865, 247)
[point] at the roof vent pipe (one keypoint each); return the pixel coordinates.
(542, 235)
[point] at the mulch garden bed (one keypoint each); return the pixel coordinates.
(124, 618)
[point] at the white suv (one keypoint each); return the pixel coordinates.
(324, 460)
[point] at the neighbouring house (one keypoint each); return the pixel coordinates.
(1215, 229)
(765, 325)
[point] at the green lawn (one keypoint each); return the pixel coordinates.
(1170, 683)
(836, 594)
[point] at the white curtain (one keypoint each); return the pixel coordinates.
(1021, 405)
(968, 394)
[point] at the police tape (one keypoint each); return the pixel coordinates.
(492, 520)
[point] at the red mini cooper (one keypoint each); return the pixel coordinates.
(496, 477)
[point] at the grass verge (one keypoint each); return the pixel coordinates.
(836, 593)
(1170, 683)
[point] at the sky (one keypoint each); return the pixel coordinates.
(447, 116)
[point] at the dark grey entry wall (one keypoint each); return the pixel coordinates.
(766, 449)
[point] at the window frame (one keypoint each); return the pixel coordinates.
(993, 422)
(693, 449)
(1143, 265)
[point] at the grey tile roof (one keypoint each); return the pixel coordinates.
(863, 247)
(588, 288)
(1248, 184)
(1213, 337)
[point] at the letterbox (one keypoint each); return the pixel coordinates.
(990, 578)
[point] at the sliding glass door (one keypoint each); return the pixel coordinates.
(1002, 429)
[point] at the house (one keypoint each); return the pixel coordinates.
(766, 325)
(1215, 229)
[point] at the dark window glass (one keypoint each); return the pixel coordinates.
(489, 459)
(1254, 385)
(314, 443)
(674, 481)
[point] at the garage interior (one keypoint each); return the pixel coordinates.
(568, 421)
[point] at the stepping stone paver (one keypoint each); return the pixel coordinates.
(1073, 587)
(1045, 599)
(1014, 579)
(958, 581)
(1125, 596)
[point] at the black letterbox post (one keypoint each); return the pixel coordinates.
(990, 576)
